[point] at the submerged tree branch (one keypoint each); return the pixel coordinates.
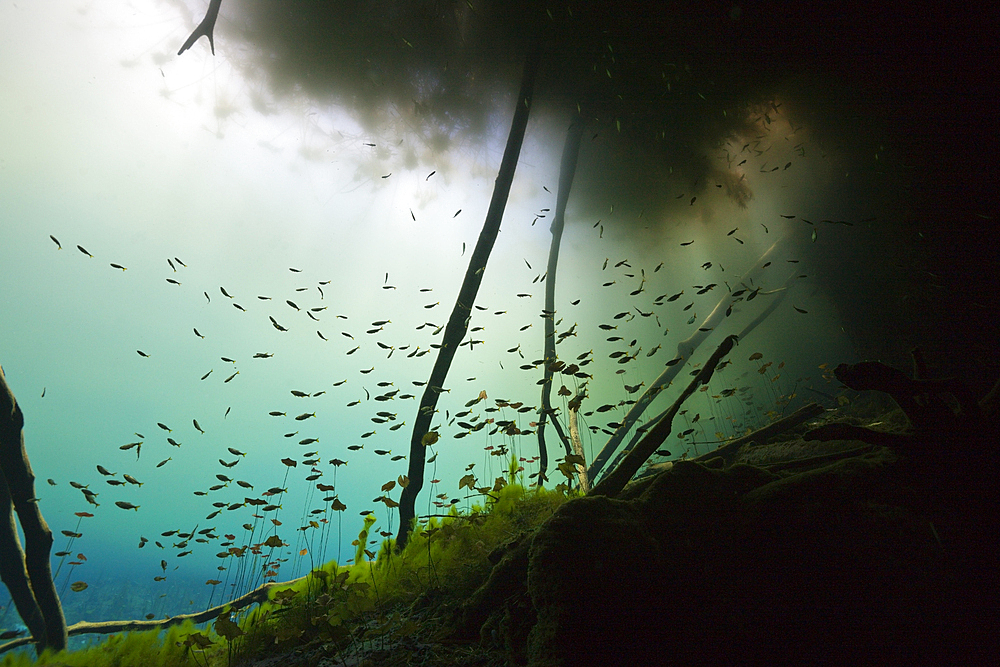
(28, 574)
(258, 595)
(567, 170)
(685, 349)
(205, 28)
(458, 323)
(612, 483)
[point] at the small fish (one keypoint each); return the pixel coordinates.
(207, 297)
(305, 415)
(429, 175)
(225, 293)
(173, 442)
(804, 312)
(56, 241)
(118, 266)
(172, 281)
(227, 412)
(142, 354)
(231, 376)
(688, 242)
(164, 462)
(197, 426)
(132, 480)
(198, 334)
(84, 251)
(126, 506)
(206, 375)
(456, 213)
(104, 471)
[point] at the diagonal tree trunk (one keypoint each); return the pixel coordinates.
(685, 349)
(567, 170)
(458, 323)
(27, 574)
(612, 483)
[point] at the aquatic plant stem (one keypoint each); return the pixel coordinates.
(458, 323)
(574, 436)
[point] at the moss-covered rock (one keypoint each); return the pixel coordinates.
(835, 565)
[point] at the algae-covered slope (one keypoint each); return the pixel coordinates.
(876, 555)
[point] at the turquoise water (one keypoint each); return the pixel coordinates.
(208, 194)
